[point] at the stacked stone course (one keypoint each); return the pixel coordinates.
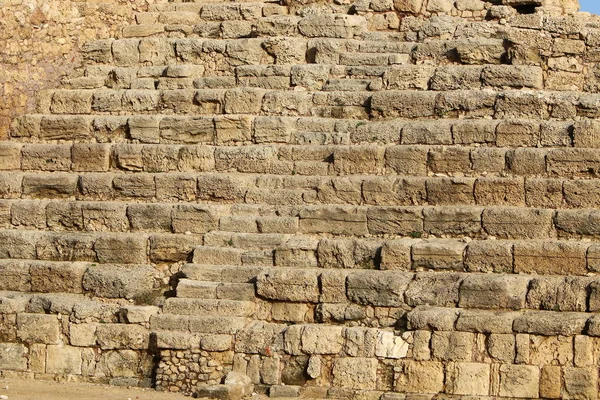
(368, 199)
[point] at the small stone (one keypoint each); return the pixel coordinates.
(314, 366)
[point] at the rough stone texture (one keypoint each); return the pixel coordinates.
(386, 199)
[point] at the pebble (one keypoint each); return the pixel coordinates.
(4, 397)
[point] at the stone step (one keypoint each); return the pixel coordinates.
(245, 129)
(544, 257)
(96, 247)
(75, 278)
(344, 77)
(374, 47)
(409, 104)
(350, 295)
(198, 324)
(189, 288)
(318, 161)
(208, 307)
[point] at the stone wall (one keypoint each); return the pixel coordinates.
(361, 200)
(39, 43)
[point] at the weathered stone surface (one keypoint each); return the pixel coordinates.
(289, 285)
(119, 281)
(355, 373)
(378, 289)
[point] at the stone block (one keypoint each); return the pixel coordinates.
(489, 256)
(452, 346)
(63, 360)
(395, 220)
(82, 335)
(57, 277)
(580, 383)
(121, 249)
(422, 377)
(471, 379)
(396, 254)
(434, 289)
(519, 381)
(385, 288)
(321, 339)
(518, 223)
(452, 220)
(550, 382)
(550, 257)
(438, 254)
(289, 285)
(486, 321)
(14, 357)
(549, 323)
(38, 328)
(119, 281)
(494, 291)
(432, 318)
(122, 336)
(355, 372)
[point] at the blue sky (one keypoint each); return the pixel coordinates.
(592, 6)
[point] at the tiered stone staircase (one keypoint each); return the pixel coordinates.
(365, 199)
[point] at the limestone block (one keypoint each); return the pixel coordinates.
(63, 360)
(320, 339)
(519, 381)
(57, 277)
(175, 187)
(90, 157)
(560, 293)
(355, 373)
(438, 254)
(449, 160)
(120, 363)
(581, 194)
(122, 336)
(450, 191)
(289, 285)
(432, 318)
(404, 104)
(396, 254)
(13, 357)
(118, 281)
(46, 157)
(411, 6)
(395, 220)
(494, 291)
(452, 220)
(217, 255)
(550, 257)
(580, 383)
(130, 249)
(172, 248)
(385, 288)
(550, 382)
(438, 289)
(104, 217)
(332, 25)
(334, 219)
(501, 347)
(358, 160)
(28, 214)
(420, 377)
(544, 193)
(38, 328)
(549, 323)
(15, 275)
(481, 321)
(82, 335)
(452, 346)
(391, 346)
(427, 132)
(411, 160)
(470, 379)
(518, 222)
(135, 186)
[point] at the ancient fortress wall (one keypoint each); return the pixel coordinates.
(368, 199)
